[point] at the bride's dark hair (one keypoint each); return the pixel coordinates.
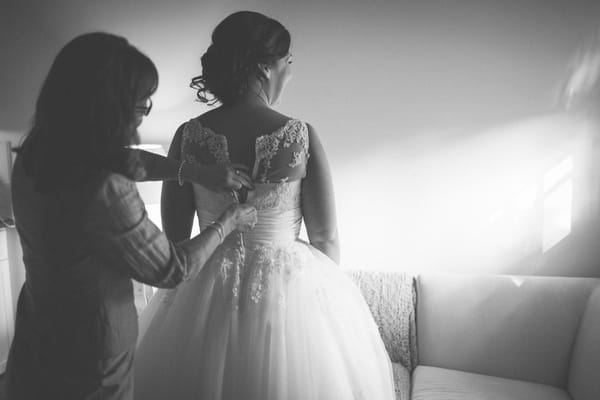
(85, 112)
(240, 43)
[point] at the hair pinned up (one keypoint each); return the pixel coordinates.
(240, 43)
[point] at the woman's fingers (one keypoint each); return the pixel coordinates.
(245, 217)
(237, 179)
(247, 209)
(220, 177)
(240, 167)
(242, 177)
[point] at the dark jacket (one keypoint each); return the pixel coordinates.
(76, 324)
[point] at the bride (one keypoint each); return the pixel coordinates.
(270, 317)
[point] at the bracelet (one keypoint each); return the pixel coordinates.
(218, 227)
(179, 171)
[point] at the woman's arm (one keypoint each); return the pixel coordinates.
(124, 237)
(158, 168)
(214, 177)
(177, 201)
(318, 201)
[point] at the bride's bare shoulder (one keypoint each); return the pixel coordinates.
(214, 114)
(277, 117)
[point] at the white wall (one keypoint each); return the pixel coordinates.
(398, 90)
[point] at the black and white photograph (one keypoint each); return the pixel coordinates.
(300, 200)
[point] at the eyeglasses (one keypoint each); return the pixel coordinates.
(145, 110)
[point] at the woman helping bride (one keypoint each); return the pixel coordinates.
(270, 317)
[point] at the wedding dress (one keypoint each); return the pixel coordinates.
(269, 317)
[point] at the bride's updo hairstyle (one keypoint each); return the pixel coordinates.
(240, 43)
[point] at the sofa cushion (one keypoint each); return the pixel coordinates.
(401, 381)
(520, 327)
(431, 383)
(391, 297)
(584, 376)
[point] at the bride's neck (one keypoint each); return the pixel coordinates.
(252, 99)
(255, 95)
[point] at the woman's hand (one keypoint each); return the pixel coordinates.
(218, 178)
(240, 217)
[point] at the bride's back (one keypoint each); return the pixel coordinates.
(241, 125)
(246, 68)
(275, 149)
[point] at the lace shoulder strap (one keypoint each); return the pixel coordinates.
(282, 155)
(199, 143)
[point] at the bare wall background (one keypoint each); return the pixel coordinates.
(398, 90)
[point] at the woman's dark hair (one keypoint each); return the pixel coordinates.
(240, 43)
(85, 112)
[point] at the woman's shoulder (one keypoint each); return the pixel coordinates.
(215, 114)
(196, 124)
(276, 118)
(111, 186)
(264, 122)
(115, 201)
(114, 206)
(259, 114)
(275, 121)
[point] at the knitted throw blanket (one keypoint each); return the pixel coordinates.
(391, 296)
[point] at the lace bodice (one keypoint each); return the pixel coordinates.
(250, 259)
(280, 164)
(280, 156)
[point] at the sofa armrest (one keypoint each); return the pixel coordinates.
(511, 327)
(584, 375)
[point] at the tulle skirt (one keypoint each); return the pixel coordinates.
(276, 322)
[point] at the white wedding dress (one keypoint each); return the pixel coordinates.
(269, 317)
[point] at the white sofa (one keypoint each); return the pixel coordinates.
(480, 337)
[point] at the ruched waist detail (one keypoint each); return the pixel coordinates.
(271, 226)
